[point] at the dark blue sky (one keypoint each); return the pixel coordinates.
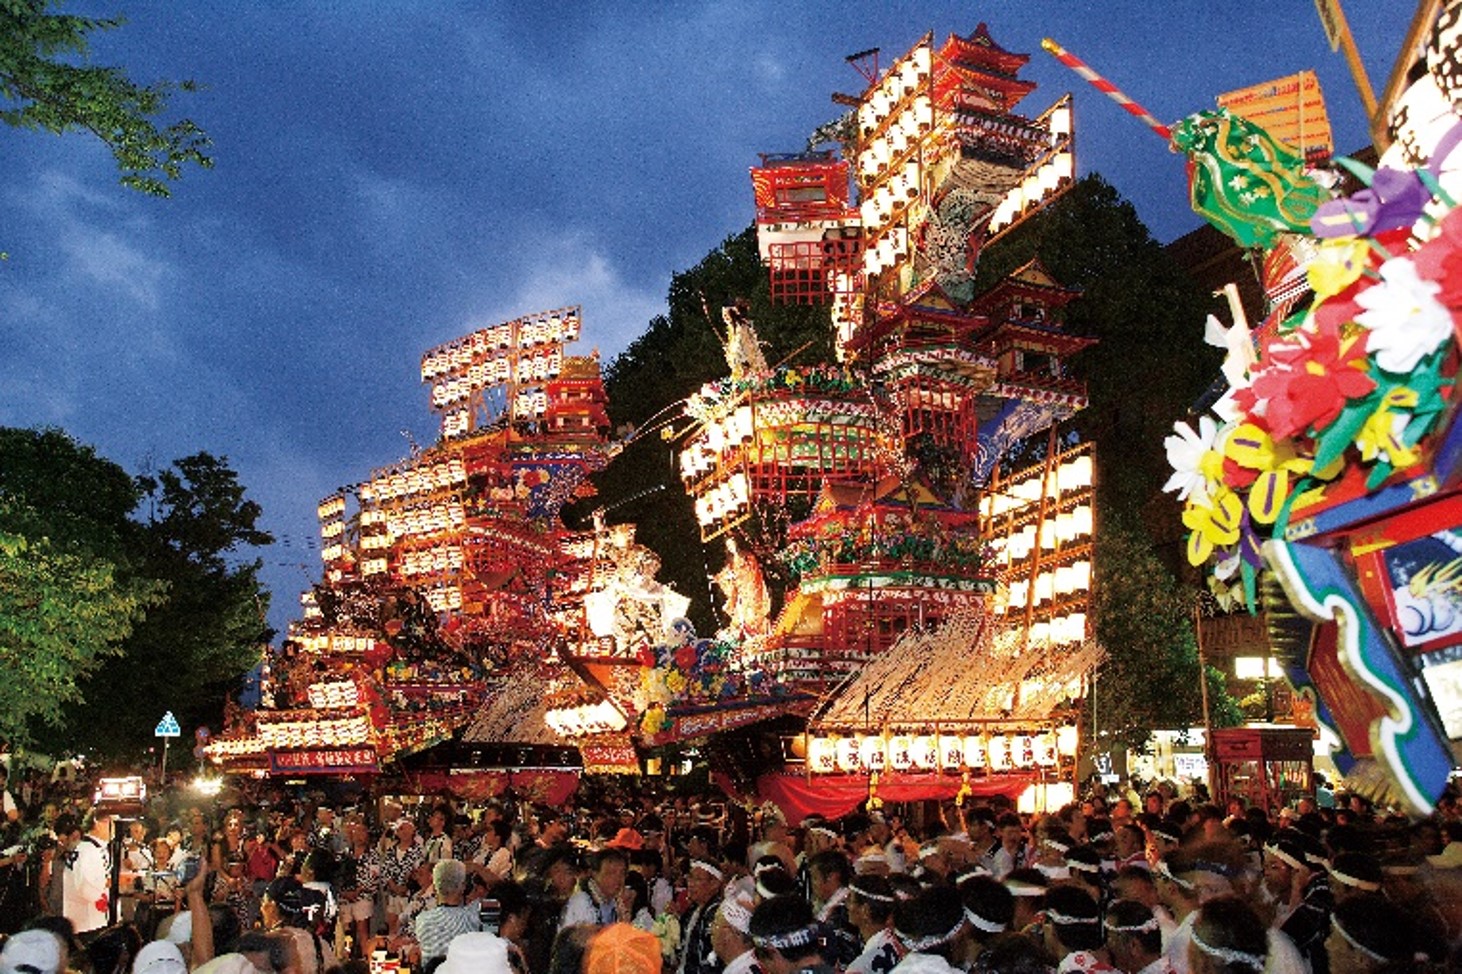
(390, 176)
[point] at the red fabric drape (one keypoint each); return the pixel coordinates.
(835, 795)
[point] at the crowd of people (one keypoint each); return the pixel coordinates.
(257, 882)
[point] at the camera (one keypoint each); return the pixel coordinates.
(187, 869)
(490, 911)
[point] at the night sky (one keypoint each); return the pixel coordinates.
(390, 176)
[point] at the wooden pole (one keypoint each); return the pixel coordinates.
(1352, 58)
(1203, 687)
(1421, 24)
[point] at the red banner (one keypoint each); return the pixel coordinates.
(328, 760)
(835, 795)
(611, 754)
(689, 726)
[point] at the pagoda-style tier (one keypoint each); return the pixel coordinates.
(777, 436)
(870, 562)
(943, 163)
(808, 234)
(968, 64)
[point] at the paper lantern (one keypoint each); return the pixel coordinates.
(951, 751)
(822, 755)
(847, 754)
(872, 753)
(974, 751)
(1045, 750)
(1066, 740)
(998, 753)
(1020, 751)
(901, 752)
(1075, 473)
(925, 752)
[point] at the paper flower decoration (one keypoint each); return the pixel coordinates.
(1195, 462)
(1356, 382)
(1405, 319)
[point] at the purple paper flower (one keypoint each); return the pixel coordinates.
(1395, 199)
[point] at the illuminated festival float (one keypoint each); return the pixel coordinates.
(1325, 484)
(904, 615)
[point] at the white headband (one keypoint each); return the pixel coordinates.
(1166, 872)
(707, 867)
(981, 924)
(1353, 881)
(1020, 888)
(1284, 857)
(737, 913)
(864, 894)
(1256, 961)
(933, 940)
(1067, 919)
(1147, 926)
(824, 830)
(1335, 922)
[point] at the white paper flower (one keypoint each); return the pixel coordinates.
(1405, 319)
(1186, 453)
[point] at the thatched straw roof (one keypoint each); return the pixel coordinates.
(969, 670)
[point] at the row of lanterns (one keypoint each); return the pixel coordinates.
(726, 498)
(549, 326)
(1062, 527)
(947, 752)
(1051, 584)
(1050, 176)
(907, 77)
(1070, 475)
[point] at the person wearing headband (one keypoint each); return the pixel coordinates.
(817, 836)
(1227, 937)
(1368, 933)
(1073, 931)
(774, 882)
(1028, 887)
(784, 935)
(932, 929)
(1302, 893)
(1134, 939)
(731, 935)
(703, 884)
(830, 875)
(1177, 894)
(870, 908)
(1354, 874)
(989, 910)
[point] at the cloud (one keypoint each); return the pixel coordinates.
(570, 268)
(116, 258)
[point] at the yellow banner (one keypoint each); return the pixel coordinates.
(1291, 109)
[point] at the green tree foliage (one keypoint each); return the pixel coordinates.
(69, 596)
(1150, 362)
(678, 353)
(189, 651)
(108, 619)
(1149, 365)
(46, 84)
(1143, 615)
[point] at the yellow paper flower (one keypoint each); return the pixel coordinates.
(1253, 448)
(1215, 524)
(1380, 437)
(1337, 265)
